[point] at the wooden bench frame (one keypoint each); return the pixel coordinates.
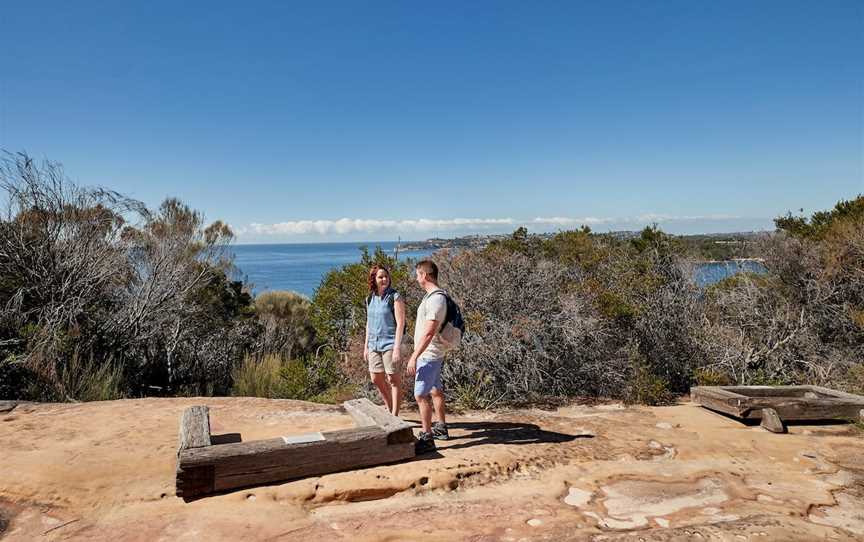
(204, 467)
(774, 405)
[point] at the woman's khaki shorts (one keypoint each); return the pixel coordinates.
(382, 362)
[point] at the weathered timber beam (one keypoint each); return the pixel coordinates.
(802, 409)
(194, 428)
(771, 421)
(7, 406)
(230, 466)
(366, 414)
(858, 399)
(715, 398)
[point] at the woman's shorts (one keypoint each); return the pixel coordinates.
(428, 377)
(382, 362)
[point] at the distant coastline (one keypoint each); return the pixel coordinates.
(725, 240)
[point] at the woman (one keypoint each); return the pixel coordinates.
(385, 325)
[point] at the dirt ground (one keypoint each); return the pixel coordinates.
(105, 471)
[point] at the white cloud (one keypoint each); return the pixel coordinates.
(345, 226)
(359, 226)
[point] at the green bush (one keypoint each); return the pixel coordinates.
(256, 377)
(274, 377)
(647, 388)
(293, 381)
(854, 380)
(88, 380)
(704, 376)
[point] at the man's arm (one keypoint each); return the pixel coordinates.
(431, 327)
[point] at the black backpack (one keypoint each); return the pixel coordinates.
(454, 318)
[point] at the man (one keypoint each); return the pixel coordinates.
(428, 357)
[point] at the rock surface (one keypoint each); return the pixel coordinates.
(105, 471)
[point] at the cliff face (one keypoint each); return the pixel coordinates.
(105, 471)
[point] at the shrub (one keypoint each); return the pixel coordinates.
(647, 388)
(257, 377)
(287, 327)
(707, 376)
(274, 377)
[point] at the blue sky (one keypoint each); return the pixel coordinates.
(338, 121)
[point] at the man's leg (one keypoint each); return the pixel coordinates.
(425, 407)
(438, 401)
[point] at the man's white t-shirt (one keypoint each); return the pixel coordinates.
(433, 307)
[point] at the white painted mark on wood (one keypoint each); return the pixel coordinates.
(302, 439)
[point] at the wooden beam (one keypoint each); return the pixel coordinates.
(789, 402)
(194, 428)
(366, 414)
(717, 398)
(230, 466)
(771, 421)
(204, 468)
(802, 409)
(7, 406)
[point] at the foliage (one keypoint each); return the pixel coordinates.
(821, 222)
(287, 327)
(87, 273)
(257, 377)
(275, 377)
(647, 388)
(101, 298)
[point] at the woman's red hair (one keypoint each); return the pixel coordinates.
(373, 287)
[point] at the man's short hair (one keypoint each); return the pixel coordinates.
(429, 268)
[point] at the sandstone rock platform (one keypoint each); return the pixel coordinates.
(105, 471)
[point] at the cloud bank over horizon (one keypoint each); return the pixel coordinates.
(359, 229)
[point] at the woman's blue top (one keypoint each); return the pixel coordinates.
(380, 316)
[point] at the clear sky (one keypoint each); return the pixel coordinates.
(337, 121)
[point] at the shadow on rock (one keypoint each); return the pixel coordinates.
(481, 433)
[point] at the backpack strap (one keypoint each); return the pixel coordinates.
(447, 302)
(391, 303)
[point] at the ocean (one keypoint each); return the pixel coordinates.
(300, 267)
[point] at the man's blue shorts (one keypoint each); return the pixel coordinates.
(428, 377)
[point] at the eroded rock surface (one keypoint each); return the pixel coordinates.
(105, 471)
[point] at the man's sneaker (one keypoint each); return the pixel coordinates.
(439, 431)
(425, 443)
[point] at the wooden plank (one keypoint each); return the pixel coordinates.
(365, 413)
(769, 391)
(802, 409)
(7, 406)
(230, 466)
(716, 398)
(851, 397)
(771, 421)
(194, 428)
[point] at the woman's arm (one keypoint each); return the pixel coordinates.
(366, 342)
(399, 310)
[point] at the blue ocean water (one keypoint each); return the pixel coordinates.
(708, 273)
(300, 267)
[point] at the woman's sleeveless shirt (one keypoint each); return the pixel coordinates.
(382, 321)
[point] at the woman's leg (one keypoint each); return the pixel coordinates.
(376, 373)
(395, 381)
(380, 381)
